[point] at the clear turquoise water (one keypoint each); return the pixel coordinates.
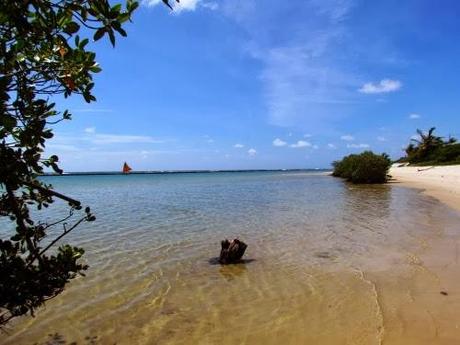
(312, 238)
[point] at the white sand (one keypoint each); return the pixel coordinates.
(441, 182)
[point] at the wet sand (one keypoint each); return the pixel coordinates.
(437, 299)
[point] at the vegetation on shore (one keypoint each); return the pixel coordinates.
(43, 54)
(430, 149)
(366, 167)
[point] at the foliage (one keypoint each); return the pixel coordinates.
(366, 167)
(43, 53)
(431, 149)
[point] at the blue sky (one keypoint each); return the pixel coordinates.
(249, 84)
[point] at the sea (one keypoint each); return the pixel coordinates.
(327, 262)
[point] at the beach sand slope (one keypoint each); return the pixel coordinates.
(441, 182)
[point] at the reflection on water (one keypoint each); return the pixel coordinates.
(231, 272)
(327, 263)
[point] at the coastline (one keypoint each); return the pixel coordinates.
(440, 182)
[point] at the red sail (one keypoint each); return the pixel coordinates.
(126, 169)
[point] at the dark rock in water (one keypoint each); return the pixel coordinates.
(232, 251)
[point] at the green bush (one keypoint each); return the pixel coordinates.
(445, 154)
(366, 167)
(430, 149)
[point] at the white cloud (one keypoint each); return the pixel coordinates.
(184, 5)
(252, 152)
(122, 139)
(61, 147)
(90, 130)
(414, 116)
(278, 142)
(91, 110)
(238, 146)
(358, 146)
(315, 147)
(380, 138)
(300, 144)
(331, 146)
(305, 83)
(210, 5)
(347, 137)
(208, 138)
(384, 86)
(307, 135)
(151, 2)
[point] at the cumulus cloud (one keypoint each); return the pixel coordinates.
(414, 116)
(379, 138)
(358, 146)
(383, 86)
(184, 5)
(238, 146)
(252, 152)
(347, 137)
(300, 144)
(278, 142)
(331, 146)
(90, 130)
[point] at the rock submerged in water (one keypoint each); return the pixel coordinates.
(232, 251)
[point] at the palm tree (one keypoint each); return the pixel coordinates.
(451, 140)
(427, 143)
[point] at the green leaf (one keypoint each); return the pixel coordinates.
(123, 17)
(16, 238)
(112, 37)
(71, 28)
(99, 33)
(121, 31)
(95, 69)
(116, 8)
(83, 43)
(8, 122)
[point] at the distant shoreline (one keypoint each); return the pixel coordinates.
(159, 172)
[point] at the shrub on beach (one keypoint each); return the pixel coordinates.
(430, 149)
(366, 167)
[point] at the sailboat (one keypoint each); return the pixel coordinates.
(126, 168)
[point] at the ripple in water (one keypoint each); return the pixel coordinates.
(328, 262)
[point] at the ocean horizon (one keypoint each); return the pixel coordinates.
(185, 171)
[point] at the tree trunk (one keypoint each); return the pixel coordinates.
(232, 251)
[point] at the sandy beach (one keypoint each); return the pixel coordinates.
(441, 182)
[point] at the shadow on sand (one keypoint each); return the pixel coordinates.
(59, 339)
(215, 261)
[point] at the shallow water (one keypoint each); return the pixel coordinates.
(328, 263)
